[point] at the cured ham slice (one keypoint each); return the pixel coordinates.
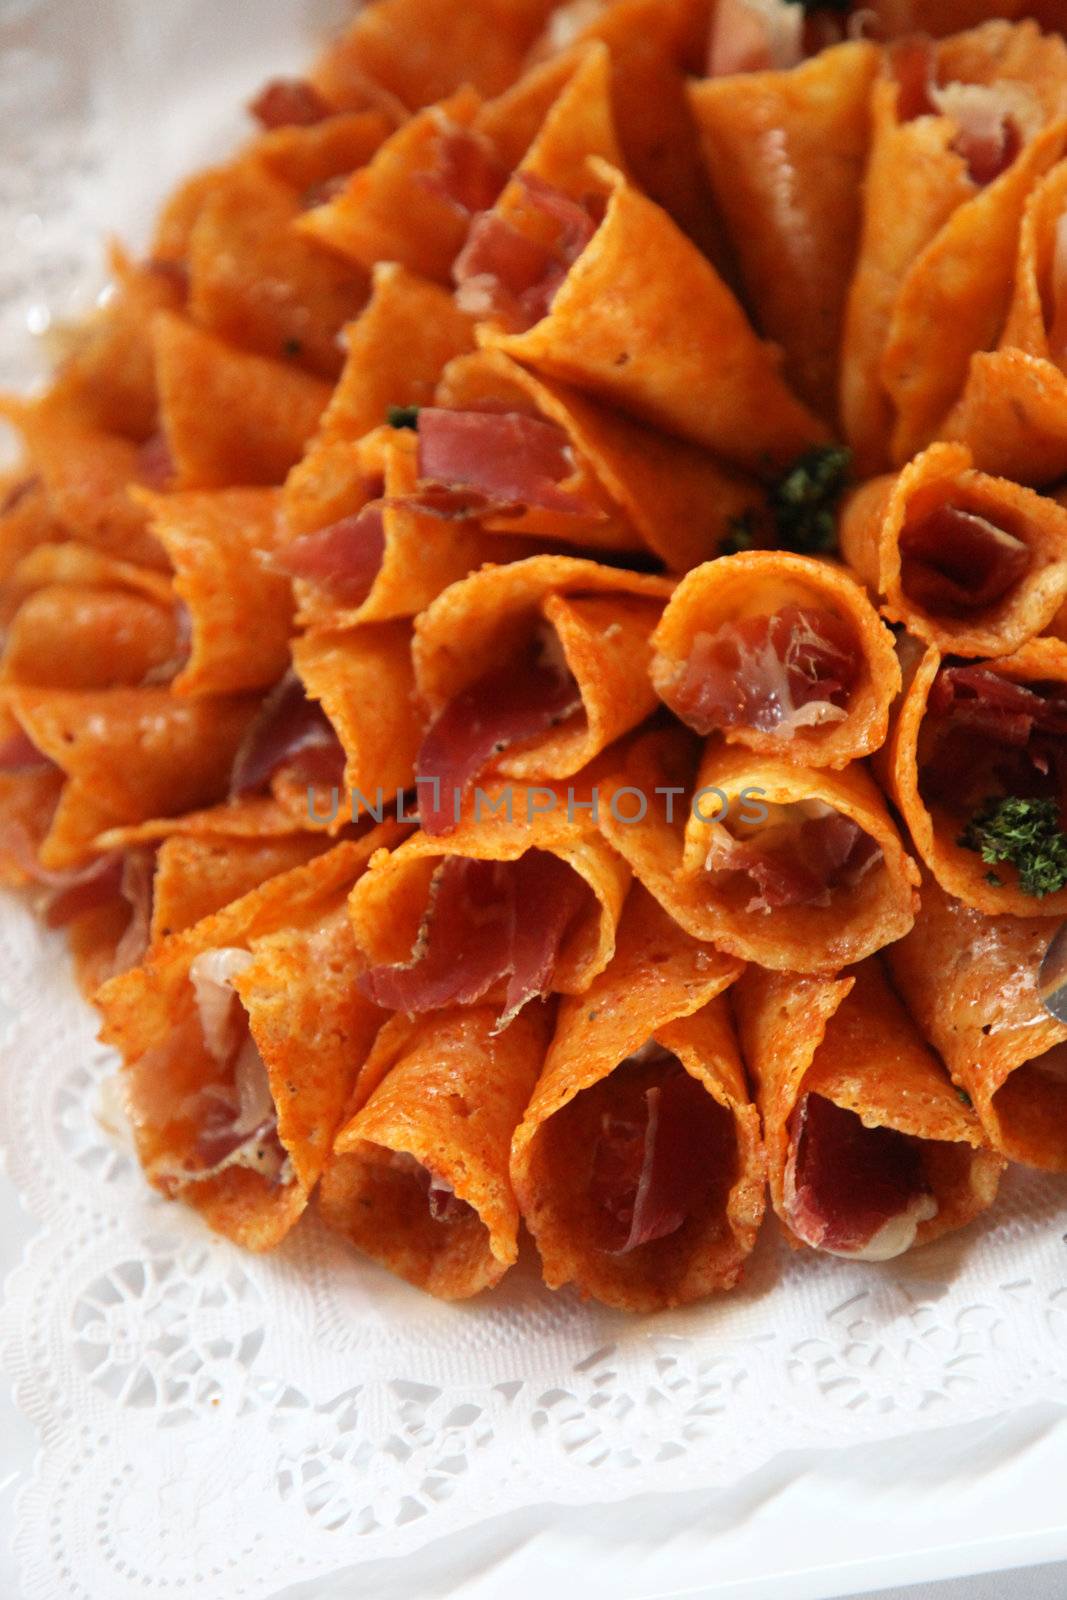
(487, 923)
(755, 36)
(289, 103)
(1001, 708)
(530, 692)
(850, 1189)
(663, 1144)
(19, 755)
(798, 863)
(989, 117)
(506, 273)
(467, 173)
(290, 731)
(344, 557)
(498, 459)
(955, 561)
(638, 1165)
(777, 673)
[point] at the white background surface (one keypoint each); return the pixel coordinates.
(807, 1527)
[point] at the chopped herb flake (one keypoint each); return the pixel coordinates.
(403, 417)
(1026, 834)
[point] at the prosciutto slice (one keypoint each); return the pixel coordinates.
(755, 36)
(442, 1202)
(344, 557)
(955, 561)
(987, 116)
(662, 1147)
(497, 461)
(798, 864)
(503, 272)
(236, 1119)
(289, 103)
(155, 464)
(290, 731)
(530, 692)
(468, 174)
(984, 702)
(853, 1190)
(792, 670)
(20, 756)
(487, 923)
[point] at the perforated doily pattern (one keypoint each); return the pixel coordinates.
(223, 1425)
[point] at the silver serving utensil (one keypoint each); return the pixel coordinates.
(1052, 976)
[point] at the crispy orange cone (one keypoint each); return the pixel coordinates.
(938, 805)
(848, 1042)
(662, 989)
(290, 992)
(649, 811)
(418, 1179)
(761, 584)
(1000, 587)
(230, 418)
(807, 129)
(970, 982)
(670, 346)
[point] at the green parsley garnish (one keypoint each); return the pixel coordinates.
(804, 501)
(403, 417)
(801, 507)
(1026, 834)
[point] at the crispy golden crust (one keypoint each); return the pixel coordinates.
(876, 516)
(240, 610)
(933, 827)
(808, 128)
(230, 417)
(671, 347)
(758, 583)
(127, 755)
(387, 212)
(850, 1040)
(664, 985)
(970, 982)
(389, 902)
(1013, 416)
(447, 1090)
(306, 1016)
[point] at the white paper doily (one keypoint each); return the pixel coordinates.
(220, 1425)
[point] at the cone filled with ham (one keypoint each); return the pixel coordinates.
(529, 456)
(974, 763)
(368, 543)
(798, 868)
(553, 668)
(962, 131)
(666, 343)
(520, 901)
(418, 1178)
(974, 564)
(638, 1165)
(241, 1040)
(870, 1149)
(971, 982)
(778, 652)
